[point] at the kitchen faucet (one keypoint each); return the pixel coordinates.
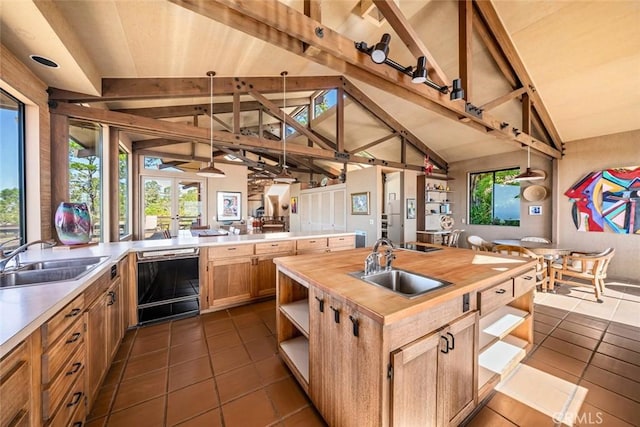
(372, 262)
(5, 259)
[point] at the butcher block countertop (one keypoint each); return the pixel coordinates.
(467, 270)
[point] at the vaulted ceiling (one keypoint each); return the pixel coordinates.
(542, 72)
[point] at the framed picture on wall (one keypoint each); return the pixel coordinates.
(535, 210)
(294, 205)
(411, 208)
(229, 206)
(360, 203)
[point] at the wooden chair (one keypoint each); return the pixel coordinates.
(477, 243)
(535, 239)
(591, 268)
(451, 239)
(542, 278)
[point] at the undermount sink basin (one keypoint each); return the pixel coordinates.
(403, 282)
(43, 272)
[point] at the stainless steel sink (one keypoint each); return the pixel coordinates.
(43, 272)
(403, 282)
(77, 262)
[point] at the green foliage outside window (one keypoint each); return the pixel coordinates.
(85, 184)
(494, 199)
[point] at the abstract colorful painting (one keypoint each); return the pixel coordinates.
(607, 200)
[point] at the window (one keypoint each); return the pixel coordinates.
(85, 171)
(124, 225)
(493, 198)
(12, 178)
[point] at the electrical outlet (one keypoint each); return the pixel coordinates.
(464, 220)
(370, 222)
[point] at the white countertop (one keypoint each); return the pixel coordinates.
(24, 309)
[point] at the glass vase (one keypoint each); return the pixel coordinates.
(73, 223)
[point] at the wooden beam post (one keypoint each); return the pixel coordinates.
(339, 121)
(60, 159)
(465, 39)
(114, 183)
(526, 113)
(236, 113)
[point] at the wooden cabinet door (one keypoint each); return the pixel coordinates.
(414, 386)
(115, 328)
(264, 276)
(456, 387)
(96, 349)
(229, 281)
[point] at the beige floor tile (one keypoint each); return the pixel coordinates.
(252, 332)
(146, 363)
(567, 348)
(613, 382)
(139, 389)
(613, 403)
(627, 313)
(189, 372)
(307, 417)
(631, 293)
(560, 361)
(552, 370)
(616, 366)
(190, 401)
(223, 341)
(620, 341)
(488, 417)
(602, 311)
(261, 348)
(573, 338)
(189, 351)
(147, 414)
(238, 382)
(230, 358)
(219, 327)
(287, 396)
(211, 418)
(235, 413)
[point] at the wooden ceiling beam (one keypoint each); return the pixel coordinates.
(494, 49)
(465, 51)
(526, 113)
(374, 143)
(504, 98)
(411, 39)
(153, 143)
(330, 172)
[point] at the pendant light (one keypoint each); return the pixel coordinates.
(284, 177)
(211, 171)
(529, 175)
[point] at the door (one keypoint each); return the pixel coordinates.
(96, 339)
(171, 204)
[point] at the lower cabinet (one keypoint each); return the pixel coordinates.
(15, 390)
(433, 377)
(96, 321)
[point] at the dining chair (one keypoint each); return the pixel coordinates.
(542, 268)
(535, 239)
(477, 243)
(452, 238)
(583, 267)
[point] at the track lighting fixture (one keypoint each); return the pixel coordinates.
(381, 49)
(420, 73)
(456, 90)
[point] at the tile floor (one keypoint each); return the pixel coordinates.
(221, 369)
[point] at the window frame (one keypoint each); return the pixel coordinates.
(493, 172)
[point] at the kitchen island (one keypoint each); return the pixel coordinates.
(366, 355)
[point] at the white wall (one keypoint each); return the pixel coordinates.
(235, 181)
(367, 179)
(582, 157)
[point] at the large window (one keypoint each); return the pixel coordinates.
(12, 182)
(494, 199)
(85, 171)
(124, 225)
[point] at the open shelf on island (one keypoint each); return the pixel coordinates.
(298, 313)
(499, 324)
(296, 350)
(500, 358)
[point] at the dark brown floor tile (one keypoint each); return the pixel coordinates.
(560, 361)
(586, 320)
(610, 381)
(624, 330)
(238, 382)
(614, 351)
(102, 404)
(488, 417)
(538, 337)
(147, 414)
(271, 325)
(215, 316)
(186, 324)
(149, 343)
(518, 413)
(96, 422)
(218, 327)
(267, 305)
(187, 336)
(250, 333)
(189, 351)
(308, 417)
(235, 413)
(146, 363)
(140, 389)
(223, 341)
(230, 358)
(246, 320)
(271, 369)
(242, 310)
(287, 396)
(158, 328)
(552, 370)
(580, 329)
(574, 338)
(212, 418)
(589, 415)
(616, 366)
(550, 311)
(567, 349)
(190, 372)
(261, 348)
(114, 376)
(125, 346)
(543, 318)
(620, 341)
(613, 403)
(190, 401)
(542, 328)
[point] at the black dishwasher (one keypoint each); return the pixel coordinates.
(168, 284)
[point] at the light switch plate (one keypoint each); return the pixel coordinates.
(370, 222)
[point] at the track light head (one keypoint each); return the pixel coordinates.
(420, 73)
(381, 49)
(456, 90)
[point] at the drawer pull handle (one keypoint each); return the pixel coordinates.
(336, 314)
(112, 298)
(76, 398)
(446, 349)
(356, 326)
(453, 341)
(312, 241)
(501, 291)
(527, 277)
(75, 368)
(231, 249)
(73, 313)
(74, 337)
(274, 245)
(320, 304)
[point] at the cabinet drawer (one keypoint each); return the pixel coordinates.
(310, 244)
(96, 289)
(217, 252)
(524, 283)
(72, 402)
(274, 247)
(14, 385)
(61, 321)
(342, 242)
(495, 296)
(56, 356)
(53, 395)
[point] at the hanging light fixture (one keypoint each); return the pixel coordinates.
(529, 175)
(211, 171)
(284, 177)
